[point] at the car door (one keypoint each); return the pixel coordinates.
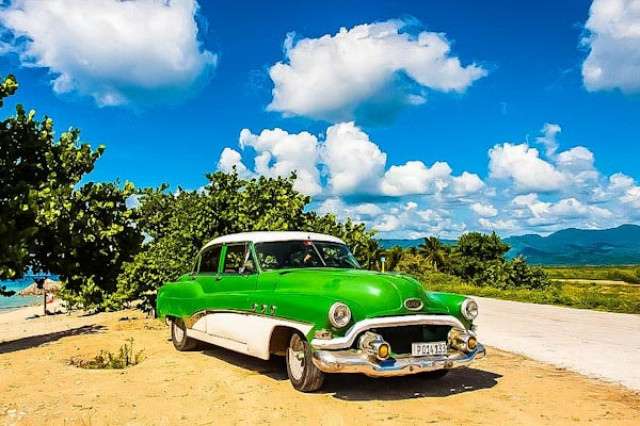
(207, 274)
(234, 289)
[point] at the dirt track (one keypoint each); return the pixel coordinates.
(216, 386)
(599, 344)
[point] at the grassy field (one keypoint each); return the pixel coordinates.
(600, 297)
(629, 274)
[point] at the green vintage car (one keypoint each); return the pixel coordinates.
(303, 295)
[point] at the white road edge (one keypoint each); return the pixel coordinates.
(597, 344)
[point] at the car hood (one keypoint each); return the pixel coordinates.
(374, 293)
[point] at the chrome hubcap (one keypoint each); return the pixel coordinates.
(178, 332)
(296, 360)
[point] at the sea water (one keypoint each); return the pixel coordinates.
(15, 301)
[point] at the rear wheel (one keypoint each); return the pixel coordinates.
(303, 373)
(179, 337)
(435, 374)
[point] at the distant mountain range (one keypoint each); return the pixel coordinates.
(617, 246)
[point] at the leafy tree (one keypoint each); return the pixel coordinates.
(434, 252)
(49, 223)
(373, 251)
(482, 246)
(179, 224)
(91, 239)
(413, 264)
(393, 257)
(480, 259)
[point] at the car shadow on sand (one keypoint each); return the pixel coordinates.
(358, 387)
(274, 368)
(41, 339)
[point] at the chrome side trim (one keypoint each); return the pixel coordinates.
(355, 361)
(189, 322)
(396, 321)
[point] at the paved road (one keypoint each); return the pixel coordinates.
(598, 344)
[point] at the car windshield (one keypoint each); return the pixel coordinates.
(304, 254)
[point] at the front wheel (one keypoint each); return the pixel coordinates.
(179, 337)
(303, 373)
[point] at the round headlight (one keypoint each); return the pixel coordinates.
(469, 309)
(339, 314)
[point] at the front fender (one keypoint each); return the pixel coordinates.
(177, 299)
(453, 303)
(313, 309)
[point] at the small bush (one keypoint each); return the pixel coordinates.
(106, 360)
(629, 274)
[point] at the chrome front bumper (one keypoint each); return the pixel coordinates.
(357, 361)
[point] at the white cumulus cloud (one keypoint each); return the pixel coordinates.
(577, 164)
(524, 166)
(136, 52)
(348, 174)
(484, 210)
(231, 158)
(614, 41)
(498, 225)
(632, 197)
(279, 153)
(415, 178)
(561, 210)
(466, 184)
(355, 164)
(548, 139)
(367, 72)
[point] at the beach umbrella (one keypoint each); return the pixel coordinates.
(49, 286)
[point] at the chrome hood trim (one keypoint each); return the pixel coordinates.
(395, 321)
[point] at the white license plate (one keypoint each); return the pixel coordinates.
(428, 349)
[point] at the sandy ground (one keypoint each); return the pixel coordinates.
(598, 344)
(216, 386)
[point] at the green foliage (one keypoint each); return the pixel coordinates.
(435, 252)
(628, 274)
(476, 258)
(393, 257)
(48, 223)
(106, 360)
(413, 264)
(480, 259)
(370, 253)
(179, 224)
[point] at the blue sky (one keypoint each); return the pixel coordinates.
(416, 118)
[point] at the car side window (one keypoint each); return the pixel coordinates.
(209, 260)
(234, 259)
(249, 266)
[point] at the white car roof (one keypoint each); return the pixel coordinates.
(271, 236)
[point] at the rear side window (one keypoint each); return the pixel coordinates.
(209, 260)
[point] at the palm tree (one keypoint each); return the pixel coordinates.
(393, 255)
(434, 252)
(412, 250)
(373, 252)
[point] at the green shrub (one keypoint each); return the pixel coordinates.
(105, 360)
